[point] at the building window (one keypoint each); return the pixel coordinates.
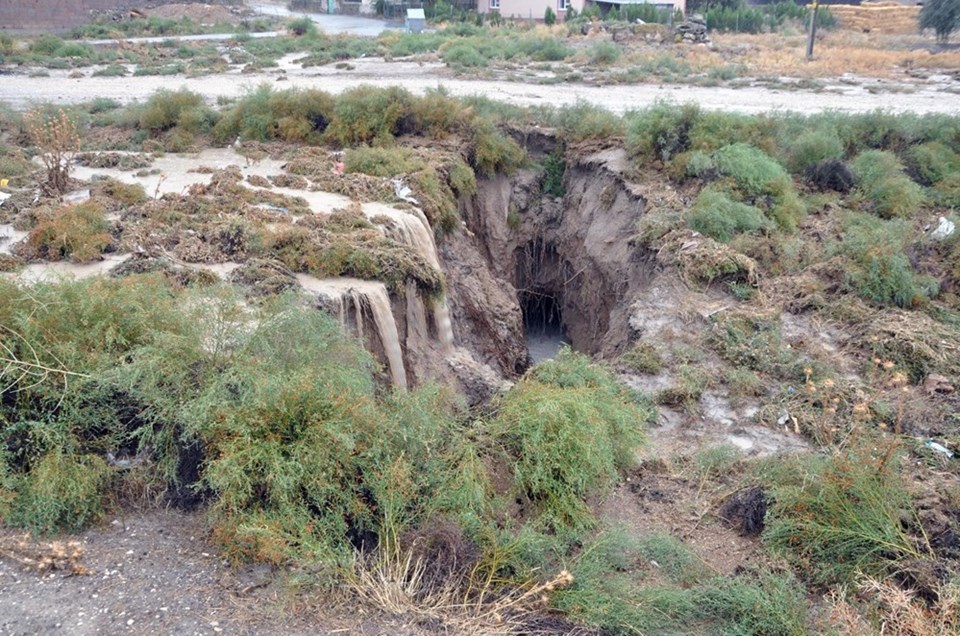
(563, 4)
(494, 4)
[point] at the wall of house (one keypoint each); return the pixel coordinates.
(60, 15)
(528, 8)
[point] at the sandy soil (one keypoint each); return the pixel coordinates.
(21, 91)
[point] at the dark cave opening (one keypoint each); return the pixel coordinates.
(542, 324)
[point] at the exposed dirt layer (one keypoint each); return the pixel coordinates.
(656, 501)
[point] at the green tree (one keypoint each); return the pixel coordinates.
(943, 16)
(549, 17)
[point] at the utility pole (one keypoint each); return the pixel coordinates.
(813, 29)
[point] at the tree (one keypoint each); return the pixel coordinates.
(549, 17)
(943, 16)
(58, 140)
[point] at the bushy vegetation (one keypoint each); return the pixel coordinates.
(367, 116)
(717, 215)
(839, 516)
(298, 451)
(568, 429)
(880, 270)
(78, 233)
(889, 191)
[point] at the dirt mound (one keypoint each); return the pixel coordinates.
(201, 13)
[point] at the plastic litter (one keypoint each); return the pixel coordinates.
(944, 230)
(403, 191)
(939, 448)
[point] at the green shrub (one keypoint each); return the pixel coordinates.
(60, 493)
(756, 177)
(583, 121)
(609, 593)
(762, 603)
(102, 105)
(554, 165)
(753, 341)
(931, 162)
(538, 49)
(302, 26)
(79, 233)
(46, 45)
(464, 55)
(694, 164)
(491, 151)
(75, 49)
(440, 115)
(176, 68)
(603, 53)
(752, 170)
(811, 147)
(264, 114)
(568, 428)
(878, 268)
(662, 131)
(838, 516)
(716, 215)
(166, 109)
(382, 162)
(549, 16)
(368, 115)
(713, 130)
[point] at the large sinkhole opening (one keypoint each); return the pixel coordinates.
(542, 324)
(540, 272)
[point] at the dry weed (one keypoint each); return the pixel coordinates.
(63, 556)
(397, 582)
(700, 259)
(901, 612)
(58, 140)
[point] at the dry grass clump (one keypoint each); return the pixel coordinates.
(44, 556)
(399, 583)
(882, 607)
(702, 260)
(913, 340)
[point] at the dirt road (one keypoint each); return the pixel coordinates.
(21, 91)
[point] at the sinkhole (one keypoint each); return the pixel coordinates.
(539, 283)
(542, 324)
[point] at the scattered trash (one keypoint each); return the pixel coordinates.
(783, 418)
(939, 448)
(78, 196)
(271, 208)
(339, 168)
(944, 230)
(4, 196)
(403, 191)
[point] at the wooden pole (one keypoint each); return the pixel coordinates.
(813, 29)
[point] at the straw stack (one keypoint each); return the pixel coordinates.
(877, 17)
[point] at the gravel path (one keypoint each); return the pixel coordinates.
(150, 573)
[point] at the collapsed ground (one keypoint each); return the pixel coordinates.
(771, 283)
